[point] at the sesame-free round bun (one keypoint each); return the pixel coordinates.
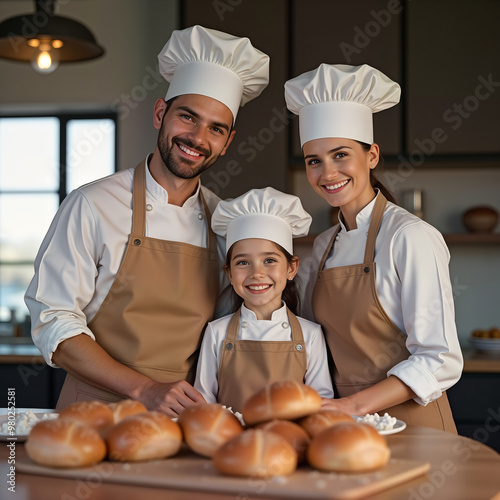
(64, 443)
(208, 426)
(256, 453)
(292, 432)
(144, 436)
(319, 421)
(285, 400)
(348, 447)
(94, 413)
(126, 408)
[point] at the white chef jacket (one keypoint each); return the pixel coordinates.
(413, 286)
(83, 250)
(250, 328)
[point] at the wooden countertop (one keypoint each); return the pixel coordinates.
(461, 469)
(480, 362)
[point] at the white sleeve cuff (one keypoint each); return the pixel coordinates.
(418, 379)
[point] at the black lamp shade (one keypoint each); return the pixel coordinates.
(78, 42)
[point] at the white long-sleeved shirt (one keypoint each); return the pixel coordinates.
(250, 328)
(83, 250)
(414, 288)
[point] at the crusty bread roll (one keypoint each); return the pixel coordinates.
(64, 443)
(348, 447)
(126, 408)
(322, 419)
(94, 413)
(208, 426)
(292, 432)
(256, 453)
(284, 400)
(144, 436)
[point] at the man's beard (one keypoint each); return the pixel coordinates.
(180, 168)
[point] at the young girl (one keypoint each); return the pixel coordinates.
(263, 341)
(379, 284)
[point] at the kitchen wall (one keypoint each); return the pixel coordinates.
(126, 79)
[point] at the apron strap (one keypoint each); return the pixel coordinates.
(212, 239)
(376, 221)
(232, 327)
(297, 335)
(139, 200)
(328, 248)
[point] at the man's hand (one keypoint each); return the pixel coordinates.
(170, 398)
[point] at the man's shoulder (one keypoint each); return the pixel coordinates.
(116, 183)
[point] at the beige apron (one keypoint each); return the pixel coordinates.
(258, 363)
(363, 340)
(153, 316)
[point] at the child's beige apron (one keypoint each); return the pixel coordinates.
(153, 317)
(246, 366)
(363, 340)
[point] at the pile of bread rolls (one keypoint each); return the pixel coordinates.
(284, 426)
(329, 440)
(88, 431)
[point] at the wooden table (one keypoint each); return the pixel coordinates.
(460, 469)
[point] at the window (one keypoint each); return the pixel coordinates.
(34, 181)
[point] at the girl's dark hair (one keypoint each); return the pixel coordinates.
(373, 179)
(290, 294)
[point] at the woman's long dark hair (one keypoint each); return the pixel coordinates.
(376, 184)
(290, 294)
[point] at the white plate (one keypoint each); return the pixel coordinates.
(19, 412)
(398, 427)
(485, 344)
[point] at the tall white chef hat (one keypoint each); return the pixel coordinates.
(203, 61)
(261, 213)
(338, 101)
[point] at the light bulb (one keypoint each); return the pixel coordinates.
(45, 60)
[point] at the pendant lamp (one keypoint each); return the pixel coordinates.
(46, 40)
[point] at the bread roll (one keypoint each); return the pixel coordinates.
(64, 443)
(285, 400)
(292, 432)
(316, 422)
(94, 413)
(144, 436)
(208, 426)
(348, 447)
(126, 408)
(256, 453)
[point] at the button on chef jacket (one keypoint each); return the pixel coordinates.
(413, 287)
(83, 249)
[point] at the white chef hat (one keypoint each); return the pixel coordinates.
(338, 101)
(203, 61)
(261, 213)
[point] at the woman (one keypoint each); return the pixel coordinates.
(379, 282)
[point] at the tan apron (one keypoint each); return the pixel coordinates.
(154, 314)
(258, 363)
(363, 340)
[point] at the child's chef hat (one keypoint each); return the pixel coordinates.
(338, 101)
(203, 61)
(261, 213)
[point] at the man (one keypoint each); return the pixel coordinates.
(128, 274)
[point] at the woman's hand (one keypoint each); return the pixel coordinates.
(343, 404)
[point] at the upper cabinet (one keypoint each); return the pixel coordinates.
(453, 76)
(345, 32)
